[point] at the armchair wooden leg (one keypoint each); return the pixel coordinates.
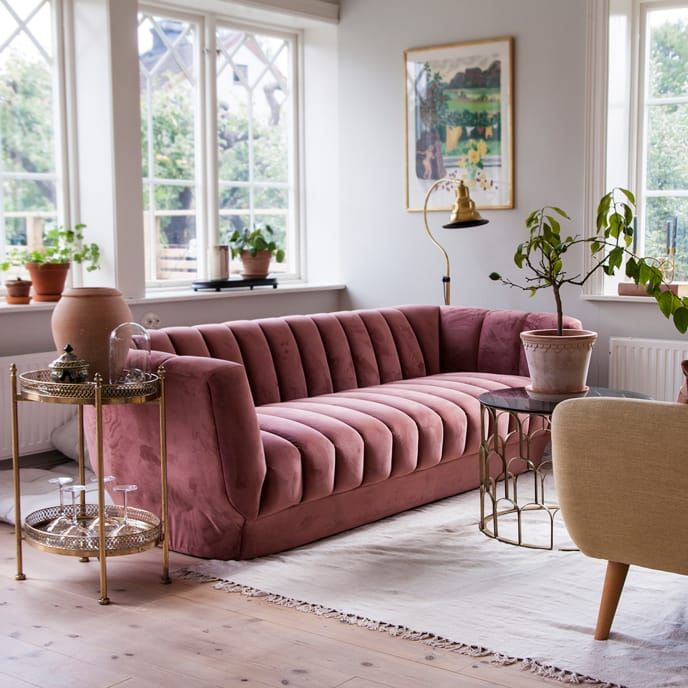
(613, 585)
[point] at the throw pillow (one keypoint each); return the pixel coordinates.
(683, 392)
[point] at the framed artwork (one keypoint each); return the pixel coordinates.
(459, 123)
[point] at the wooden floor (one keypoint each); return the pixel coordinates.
(53, 633)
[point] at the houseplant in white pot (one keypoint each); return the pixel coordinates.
(558, 359)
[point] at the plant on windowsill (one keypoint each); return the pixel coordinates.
(255, 248)
(48, 266)
(558, 359)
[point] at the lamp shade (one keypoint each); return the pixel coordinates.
(463, 212)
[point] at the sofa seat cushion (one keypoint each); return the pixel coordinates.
(332, 443)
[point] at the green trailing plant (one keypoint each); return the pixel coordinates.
(254, 241)
(63, 245)
(543, 254)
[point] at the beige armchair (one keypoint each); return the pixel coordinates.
(621, 471)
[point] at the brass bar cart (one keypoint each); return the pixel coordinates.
(146, 530)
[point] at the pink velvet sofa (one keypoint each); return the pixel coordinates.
(285, 430)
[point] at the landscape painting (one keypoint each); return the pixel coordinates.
(459, 123)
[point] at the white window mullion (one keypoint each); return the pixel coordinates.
(152, 238)
(64, 211)
(251, 162)
(210, 173)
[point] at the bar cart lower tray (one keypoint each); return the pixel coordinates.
(145, 532)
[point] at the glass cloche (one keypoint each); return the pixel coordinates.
(130, 354)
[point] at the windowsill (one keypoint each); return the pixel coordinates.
(614, 298)
(187, 294)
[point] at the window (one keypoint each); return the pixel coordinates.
(663, 179)
(168, 64)
(30, 155)
(191, 203)
(647, 123)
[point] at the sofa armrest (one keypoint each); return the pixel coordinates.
(489, 341)
(622, 479)
(212, 427)
(215, 453)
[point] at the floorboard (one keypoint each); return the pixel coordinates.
(53, 633)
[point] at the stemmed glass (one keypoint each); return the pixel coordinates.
(60, 524)
(75, 527)
(110, 523)
(125, 528)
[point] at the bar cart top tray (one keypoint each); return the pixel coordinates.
(37, 385)
(147, 532)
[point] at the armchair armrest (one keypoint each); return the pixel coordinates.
(621, 473)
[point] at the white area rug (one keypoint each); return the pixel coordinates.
(37, 492)
(431, 575)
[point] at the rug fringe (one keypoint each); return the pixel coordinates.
(528, 664)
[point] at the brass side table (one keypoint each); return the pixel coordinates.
(513, 484)
(146, 531)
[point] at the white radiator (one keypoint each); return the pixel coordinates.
(650, 366)
(36, 421)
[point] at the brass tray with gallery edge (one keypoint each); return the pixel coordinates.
(146, 536)
(37, 385)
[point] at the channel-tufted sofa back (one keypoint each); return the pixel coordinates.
(308, 355)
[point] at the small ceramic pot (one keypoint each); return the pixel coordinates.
(18, 291)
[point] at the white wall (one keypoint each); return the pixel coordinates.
(386, 257)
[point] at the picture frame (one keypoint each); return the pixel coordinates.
(459, 123)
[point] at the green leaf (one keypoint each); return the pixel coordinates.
(279, 255)
(665, 301)
(629, 195)
(681, 319)
(494, 276)
(560, 212)
(554, 224)
(533, 291)
(615, 259)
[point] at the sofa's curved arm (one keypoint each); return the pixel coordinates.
(210, 413)
(215, 453)
(621, 474)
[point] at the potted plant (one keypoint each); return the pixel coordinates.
(255, 248)
(558, 359)
(18, 291)
(48, 266)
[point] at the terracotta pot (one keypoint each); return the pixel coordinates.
(255, 267)
(85, 318)
(18, 291)
(558, 364)
(48, 280)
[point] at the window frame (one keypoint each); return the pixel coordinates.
(207, 185)
(596, 124)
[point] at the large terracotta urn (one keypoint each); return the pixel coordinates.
(558, 364)
(85, 317)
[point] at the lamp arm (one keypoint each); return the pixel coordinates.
(446, 279)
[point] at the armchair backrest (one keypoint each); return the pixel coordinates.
(621, 474)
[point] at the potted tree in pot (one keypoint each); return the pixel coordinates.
(255, 248)
(48, 266)
(558, 359)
